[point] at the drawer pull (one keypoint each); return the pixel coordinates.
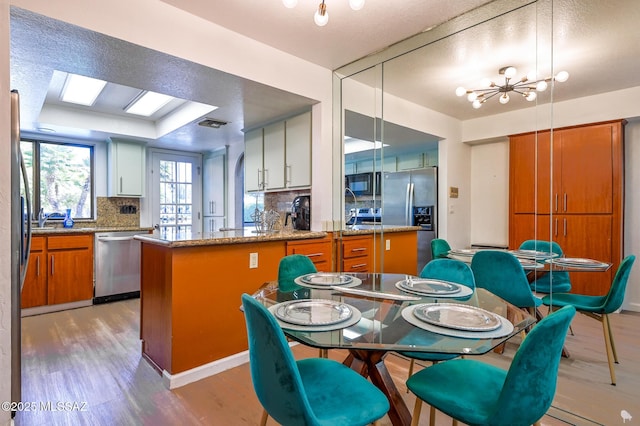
(53, 266)
(359, 266)
(38, 266)
(359, 249)
(315, 254)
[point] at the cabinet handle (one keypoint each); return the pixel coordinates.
(120, 183)
(358, 249)
(358, 266)
(555, 232)
(213, 207)
(265, 173)
(53, 266)
(565, 226)
(287, 171)
(38, 266)
(555, 208)
(315, 254)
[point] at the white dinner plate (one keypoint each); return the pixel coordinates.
(578, 262)
(326, 278)
(533, 254)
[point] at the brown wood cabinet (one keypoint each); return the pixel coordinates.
(357, 253)
(320, 251)
(60, 270)
(567, 186)
(398, 253)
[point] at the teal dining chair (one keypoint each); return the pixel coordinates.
(502, 274)
(439, 248)
(477, 393)
(599, 307)
(556, 281)
(440, 269)
(291, 267)
(313, 391)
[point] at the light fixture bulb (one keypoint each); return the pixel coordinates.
(477, 104)
(510, 72)
(485, 82)
(461, 91)
(290, 3)
(321, 16)
(472, 96)
(541, 86)
(531, 96)
(562, 76)
(356, 4)
(504, 99)
(532, 75)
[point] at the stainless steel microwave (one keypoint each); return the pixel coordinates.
(364, 183)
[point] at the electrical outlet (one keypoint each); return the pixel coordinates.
(253, 260)
(388, 245)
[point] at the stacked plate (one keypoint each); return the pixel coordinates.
(576, 262)
(463, 252)
(530, 263)
(533, 254)
(457, 320)
(432, 287)
(315, 315)
(325, 280)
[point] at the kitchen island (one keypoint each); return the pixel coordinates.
(183, 336)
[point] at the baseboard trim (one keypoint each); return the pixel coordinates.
(39, 310)
(173, 381)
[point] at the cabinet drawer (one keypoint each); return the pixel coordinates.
(356, 247)
(319, 252)
(356, 264)
(70, 242)
(38, 243)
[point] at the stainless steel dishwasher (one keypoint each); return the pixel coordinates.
(117, 266)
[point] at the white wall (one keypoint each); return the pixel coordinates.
(632, 211)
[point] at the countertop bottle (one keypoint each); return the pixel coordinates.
(68, 221)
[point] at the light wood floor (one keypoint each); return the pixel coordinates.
(92, 355)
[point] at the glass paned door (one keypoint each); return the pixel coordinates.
(176, 189)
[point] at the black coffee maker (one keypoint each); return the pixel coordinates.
(300, 213)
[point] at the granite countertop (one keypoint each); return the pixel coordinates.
(235, 236)
(79, 229)
(370, 229)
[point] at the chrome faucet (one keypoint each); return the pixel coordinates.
(352, 213)
(42, 218)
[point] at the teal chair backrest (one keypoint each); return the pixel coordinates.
(449, 270)
(530, 384)
(556, 281)
(291, 267)
(502, 274)
(274, 373)
(615, 297)
(439, 248)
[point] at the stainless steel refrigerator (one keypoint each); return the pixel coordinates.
(411, 198)
(20, 242)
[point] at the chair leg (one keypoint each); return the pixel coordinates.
(411, 364)
(571, 330)
(432, 416)
(263, 419)
(323, 353)
(613, 343)
(454, 422)
(416, 412)
(607, 342)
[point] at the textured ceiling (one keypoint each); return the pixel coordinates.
(597, 42)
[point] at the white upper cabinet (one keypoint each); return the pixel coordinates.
(273, 160)
(298, 151)
(278, 156)
(126, 169)
(214, 186)
(253, 160)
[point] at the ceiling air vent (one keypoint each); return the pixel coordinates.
(210, 122)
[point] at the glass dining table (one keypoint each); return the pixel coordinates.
(387, 315)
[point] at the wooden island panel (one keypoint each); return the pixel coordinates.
(181, 326)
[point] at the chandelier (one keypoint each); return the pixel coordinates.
(321, 16)
(527, 86)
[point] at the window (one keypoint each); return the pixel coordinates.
(61, 178)
(251, 203)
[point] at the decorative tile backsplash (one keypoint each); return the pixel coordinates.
(281, 202)
(118, 211)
